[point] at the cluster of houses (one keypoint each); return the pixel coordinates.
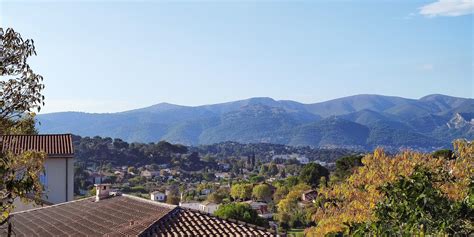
(109, 212)
(301, 158)
(262, 208)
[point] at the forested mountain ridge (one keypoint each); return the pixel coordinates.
(360, 121)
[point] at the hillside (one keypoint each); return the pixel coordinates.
(360, 121)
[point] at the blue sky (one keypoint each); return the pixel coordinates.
(104, 56)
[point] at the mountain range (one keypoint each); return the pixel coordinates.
(359, 121)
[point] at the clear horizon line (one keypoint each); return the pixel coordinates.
(231, 101)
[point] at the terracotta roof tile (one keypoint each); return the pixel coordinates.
(188, 222)
(125, 216)
(52, 144)
(116, 216)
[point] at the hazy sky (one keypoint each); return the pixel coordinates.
(105, 56)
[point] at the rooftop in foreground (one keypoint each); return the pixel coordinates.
(125, 215)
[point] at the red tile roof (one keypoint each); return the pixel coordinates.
(115, 216)
(125, 216)
(189, 222)
(55, 145)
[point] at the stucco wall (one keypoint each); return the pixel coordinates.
(56, 170)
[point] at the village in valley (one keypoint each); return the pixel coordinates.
(236, 118)
(203, 178)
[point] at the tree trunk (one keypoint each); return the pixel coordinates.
(9, 232)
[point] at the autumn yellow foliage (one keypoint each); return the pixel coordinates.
(354, 200)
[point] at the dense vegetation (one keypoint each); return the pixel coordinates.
(241, 212)
(379, 193)
(409, 193)
(98, 151)
(267, 150)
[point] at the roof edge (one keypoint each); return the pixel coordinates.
(54, 205)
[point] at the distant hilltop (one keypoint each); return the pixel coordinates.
(360, 121)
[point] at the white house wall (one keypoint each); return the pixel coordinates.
(59, 185)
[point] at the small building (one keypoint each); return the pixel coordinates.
(149, 174)
(158, 196)
(261, 208)
(191, 205)
(222, 175)
(303, 160)
(309, 196)
(224, 166)
(58, 177)
(207, 207)
(206, 191)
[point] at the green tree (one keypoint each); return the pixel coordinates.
(256, 179)
(445, 153)
(414, 206)
(280, 193)
(241, 191)
(262, 192)
(215, 197)
(291, 181)
(20, 97)
(264, 170)
(345, 167)
(312, 173)
(172, 199)
(239, 211)
(290, 214)
(272, 169)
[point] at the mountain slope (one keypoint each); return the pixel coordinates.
(363, 121)
(331, 132)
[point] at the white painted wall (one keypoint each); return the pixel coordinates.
(56, 179)
(158, 197)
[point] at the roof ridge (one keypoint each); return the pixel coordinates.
(168, 215)
(54, 205)
(171, 206)
(54, 145)
(228, 219)
(48, 134)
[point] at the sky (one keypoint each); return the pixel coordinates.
(109, 56)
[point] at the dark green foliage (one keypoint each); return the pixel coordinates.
(81, 178)
(256, 179)
(266, 150)
(413, 206)
(262, 192)
(345, 166)
(240, 211)
(312, 173)
(97, 151)
(218, 196)
(445, 153)
(291, 181)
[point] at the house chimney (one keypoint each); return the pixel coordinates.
(102, 191)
